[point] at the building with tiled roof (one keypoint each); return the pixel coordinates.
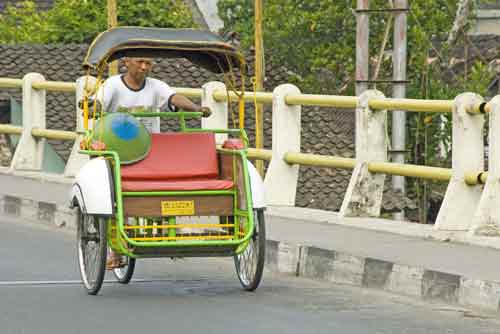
(325, 131)
(487, 20)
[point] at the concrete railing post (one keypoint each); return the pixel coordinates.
(281, 178)
(460, 201)
(29, 151)
(363, 197)
(219, 117)
(486, 220)
(77, 160)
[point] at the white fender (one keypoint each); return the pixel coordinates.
(93, 189)
(257, 187)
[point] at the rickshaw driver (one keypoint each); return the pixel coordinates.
(133, 90)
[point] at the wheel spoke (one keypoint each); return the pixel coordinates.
(91, 244)
(250, 263)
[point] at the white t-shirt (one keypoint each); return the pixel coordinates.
(154, 95)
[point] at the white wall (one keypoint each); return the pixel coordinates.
(208, 9)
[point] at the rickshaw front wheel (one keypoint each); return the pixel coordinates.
(92, 250)
(250, 263)
(124, 274)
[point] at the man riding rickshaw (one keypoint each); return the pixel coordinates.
(131, 195)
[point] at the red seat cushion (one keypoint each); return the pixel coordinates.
(176, 185)
(176, 156)
(176, 162)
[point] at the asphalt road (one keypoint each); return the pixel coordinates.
(40, 293)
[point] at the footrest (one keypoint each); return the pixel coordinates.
(198, 251)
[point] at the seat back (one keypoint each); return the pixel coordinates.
(176, 156)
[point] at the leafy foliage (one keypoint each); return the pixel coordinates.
(23, 23)
(316, 39)
(77, 21)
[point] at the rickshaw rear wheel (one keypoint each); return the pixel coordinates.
(124, 274)
(250, 263)
(92, 250)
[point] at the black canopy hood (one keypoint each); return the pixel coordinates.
(202, 48)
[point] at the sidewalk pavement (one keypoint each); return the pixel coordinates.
(399, 257)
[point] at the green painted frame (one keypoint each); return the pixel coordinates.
(124, 240)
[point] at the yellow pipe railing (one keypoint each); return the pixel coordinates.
(261, 97)
(319, 160)
(348, 102)
(435, 173)
(189, 92)
(442, 106)
(475, 178)
(54, 134)
(36, 132)
(11, 83)
(10, 129)
(55, 86)
(425, 172)
(259, 154)
(481, 108)
(422, 172)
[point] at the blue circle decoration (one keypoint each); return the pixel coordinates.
(124, 127)
(123, 134)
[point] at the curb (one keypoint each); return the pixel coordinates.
(37, 212)
(417, 282)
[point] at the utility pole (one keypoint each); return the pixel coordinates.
(399, 55)
(112, 22)
(399, 11)
(259, 81)
(362, 45)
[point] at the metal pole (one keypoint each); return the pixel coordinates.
(362, 57)
(259, 81)
(362, 44)
(399, 91)
(112, 22)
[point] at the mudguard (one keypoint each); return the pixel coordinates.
(257, 187)
(93, 189)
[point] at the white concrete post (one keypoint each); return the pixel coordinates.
(364, 193)
(77, 160)
(486, 220)
(281, 178)
(29, 151)
(219, 117)
(460, 201)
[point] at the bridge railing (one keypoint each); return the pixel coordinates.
(470, 202)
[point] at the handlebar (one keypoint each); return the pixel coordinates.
(168, 114)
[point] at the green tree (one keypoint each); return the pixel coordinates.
(316, 39)
(23, 23)
(77, 21)
(313, 39)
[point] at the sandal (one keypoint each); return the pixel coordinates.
(114, 263)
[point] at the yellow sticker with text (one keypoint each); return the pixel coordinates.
(177, 208)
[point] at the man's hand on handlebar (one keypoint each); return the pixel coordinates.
(91, 103)
(206, 111)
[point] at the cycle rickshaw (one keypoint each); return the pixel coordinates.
(134, 207)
